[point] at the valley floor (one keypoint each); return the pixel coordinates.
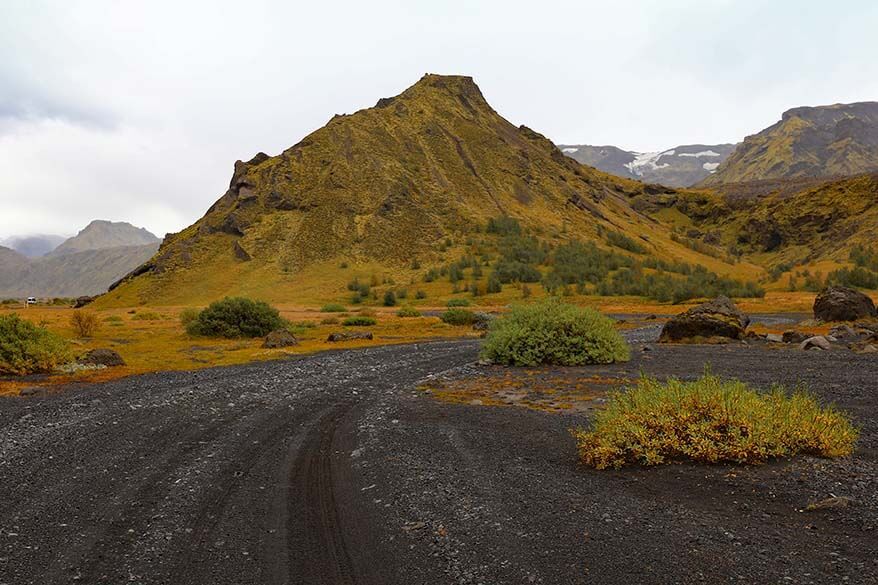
(342, 468)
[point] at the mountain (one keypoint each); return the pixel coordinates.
(33, 246)
(824, 141)
(397, 187)
(86, 264)
(681, 166)
(101, 234)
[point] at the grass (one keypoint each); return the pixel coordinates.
(711, 420)
(359, 321)
(333, 308)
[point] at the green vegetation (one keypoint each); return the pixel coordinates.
(458, 317)
(146, 316)
(333, 308)
(359, 321)
(663, 287)
(711, 420)
(113, 319)
(457, 303)
(187, 316)
(234, 317)
(389, 299)
(620, 240)
(408, 311)
(552, 332)
(27, 349)
(84, 323)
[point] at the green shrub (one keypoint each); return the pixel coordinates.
(552, 332)
(389, 298)
(329, 321)
(420, 295)
(494, 284)
(358, 321)
(236, 317)
(333, 308)
(457, 303)
(187, 316)
(458, 317)
(146, 316)
(28, 349)
(711, 420)
(84, 323)
(408, 311)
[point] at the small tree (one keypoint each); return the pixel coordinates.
(389, 299)
(84, 323)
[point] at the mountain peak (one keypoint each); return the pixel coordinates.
(101, 233)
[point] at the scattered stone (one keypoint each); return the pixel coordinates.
(646, 348)
(102, 357)
(719, 318)
(753, 336)
(82, 301)
(794, 336)
(279, 338)
(652, 317)
(844, 332)
(410, 526)
(870, 349)
(349, 336)
(481, 321)
(30, 391)
(816, 342)
(840, 303)
(484, 362)
(774, 338)
(833, 503)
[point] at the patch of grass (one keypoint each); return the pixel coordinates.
(234, 317)
(147, 316)
(408, 312)
(457, 303)
(113, 319)
(84, 323)
(329, 321)
(553, 332)
(333, 308)
(458, 317)
(711, 420)
(26, 348)
(187, 316)
(359, 321)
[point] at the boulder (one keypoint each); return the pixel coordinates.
(870, 349)
(349, 336)
(794, 336)
(279, 338)
(102, 357)
(482, 321)
(774, 338)
(82, 301)
(717, 318)
(844, 332)
(816, 342)
(840, 303)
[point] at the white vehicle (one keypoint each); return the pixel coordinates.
(31, 300)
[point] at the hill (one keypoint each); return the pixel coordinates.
(824, 141)
(33, 246)
(681, 166)
(397, 190)
(102, 234)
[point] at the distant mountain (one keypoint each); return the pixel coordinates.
(86, 264)
(681, 166)
(33, 246)
(101, 234)
(824, 141)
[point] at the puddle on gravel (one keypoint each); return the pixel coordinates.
(545, 389)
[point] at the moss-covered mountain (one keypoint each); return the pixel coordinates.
(825, 141)
(402, 185)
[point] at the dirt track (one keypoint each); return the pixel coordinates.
(334, 469)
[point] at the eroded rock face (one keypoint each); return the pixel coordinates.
(279, 338)
(102, 357)
(840, 303)
(719, 318)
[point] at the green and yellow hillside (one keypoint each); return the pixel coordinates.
(390, 193)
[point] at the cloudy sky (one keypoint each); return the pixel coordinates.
(136, 111)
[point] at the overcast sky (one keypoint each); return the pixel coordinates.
(136, 111)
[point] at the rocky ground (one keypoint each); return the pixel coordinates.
(342, 468)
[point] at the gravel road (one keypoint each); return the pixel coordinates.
(334, 469)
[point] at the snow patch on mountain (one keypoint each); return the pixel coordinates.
(570, 150)
(647, 161)
(710, 167)
(700, 154)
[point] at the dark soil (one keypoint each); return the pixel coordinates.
(336, 468)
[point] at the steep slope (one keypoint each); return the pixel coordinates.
(101, 234)
(824, 141)
(89, 272)
(33, 246)
(681, 166)
(387, 186)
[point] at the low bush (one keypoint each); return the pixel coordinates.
(408, 312)
(236, 317)
(457, 303)
(84, 323)
(359, 321)
(553, 332)
(113, 319)
(27, 349)
(389, 298)
(188, 316)
(333, 308)
(458, 317)
(329, 321)
(146, 316)
(711, 420)
(420, 295)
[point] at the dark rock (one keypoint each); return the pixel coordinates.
(816, 342)
(349, 336)
(795, 336)
(279, 338)
(102, 357)
(82, 301)
(31, 391)
(241, 253)
(717, 318)
(840, 303)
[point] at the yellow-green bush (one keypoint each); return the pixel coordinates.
(553, 332)
(711, 420)
(84, 323)
(28, 349)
